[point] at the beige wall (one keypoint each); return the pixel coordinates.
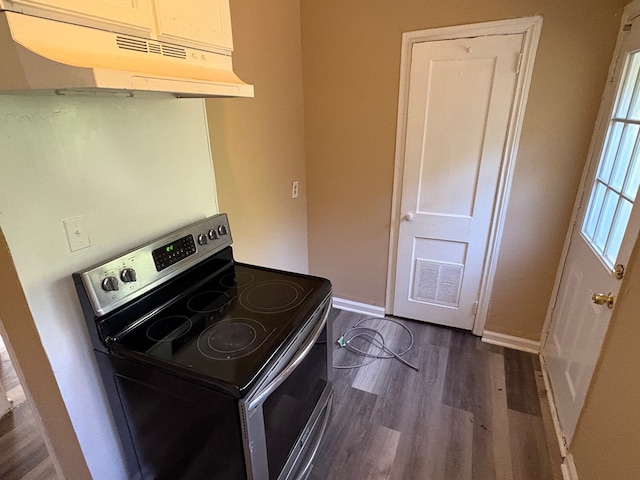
(607, 439)
(351, 62)
(258, 143)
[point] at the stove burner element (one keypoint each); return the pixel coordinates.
(168, 329)
(241, 279)
(232, 338)
(272, 296)
(207, 302)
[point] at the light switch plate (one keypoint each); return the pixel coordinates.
(77, 234)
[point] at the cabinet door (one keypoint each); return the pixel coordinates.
(202, 24)
(131, 16)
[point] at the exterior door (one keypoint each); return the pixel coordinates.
(607, 224)
(460, 98)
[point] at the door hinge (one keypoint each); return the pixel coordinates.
(543, 340)
(474, 309)
(614, 67)
(519, 64)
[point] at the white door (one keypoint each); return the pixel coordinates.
(607, 225)
(460, 98)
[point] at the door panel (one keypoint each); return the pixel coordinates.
(607, 224)
(574, 342)
(450, 167)
(460, 98)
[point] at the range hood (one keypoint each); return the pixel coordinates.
(42, 55)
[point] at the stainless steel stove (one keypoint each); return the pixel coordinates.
(214, 369)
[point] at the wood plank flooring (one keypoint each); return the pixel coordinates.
(473, 411)
(23, 454)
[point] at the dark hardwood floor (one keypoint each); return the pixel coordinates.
(23, 454)
(472, 411)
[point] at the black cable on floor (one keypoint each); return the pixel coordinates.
(375, 338)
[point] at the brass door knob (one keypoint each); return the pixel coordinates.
(602, 299)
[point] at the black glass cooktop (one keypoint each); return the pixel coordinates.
(229, 328)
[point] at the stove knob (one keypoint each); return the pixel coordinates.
(110, 284)
(222, 230)
(128, 275)
(202, 239)
(213, 234)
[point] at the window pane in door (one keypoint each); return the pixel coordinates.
(628, 86)
(605, 220)
(617, 232)
(625, 153)
(616, 185)
(593, 212)
(633, 179)
(611, 152)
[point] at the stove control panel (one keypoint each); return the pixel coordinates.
(124, 278)
(175, 251)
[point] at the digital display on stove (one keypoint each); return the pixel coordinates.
(173, 252)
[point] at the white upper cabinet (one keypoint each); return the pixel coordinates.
(204, 24)
(198, 23)
(134, 17)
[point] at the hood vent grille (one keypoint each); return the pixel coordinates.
(131, 44)
(143, 46)
(175, 52)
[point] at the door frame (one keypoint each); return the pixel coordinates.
(630, 13)
(531, 28)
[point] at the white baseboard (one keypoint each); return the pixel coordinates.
(554, 411)
(6, 405)
(568, 468)
(509, 341)
(358, 307)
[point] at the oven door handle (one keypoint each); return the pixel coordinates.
(304, 471)
(300, 355)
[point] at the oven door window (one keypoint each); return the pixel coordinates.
(287, 410)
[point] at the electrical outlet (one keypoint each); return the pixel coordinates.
(77, 235)
(294, 189)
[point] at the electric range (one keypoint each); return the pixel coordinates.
(213, 368)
